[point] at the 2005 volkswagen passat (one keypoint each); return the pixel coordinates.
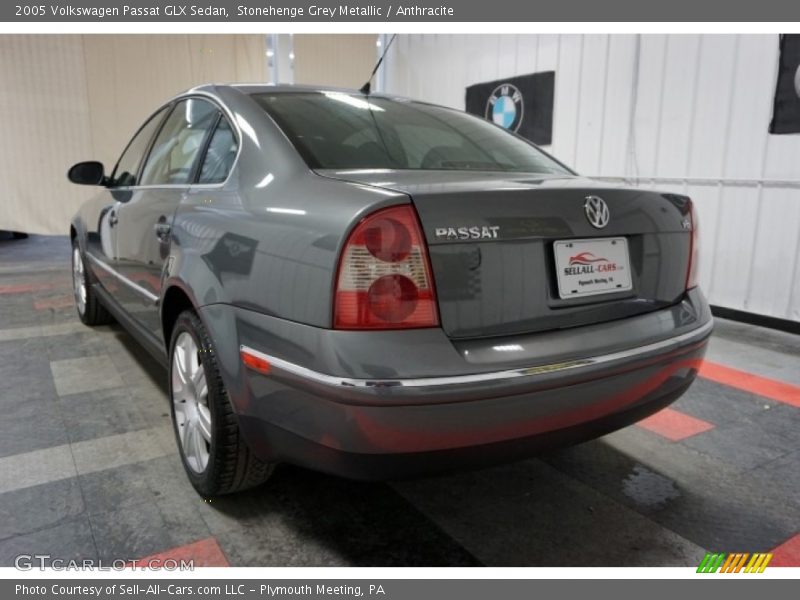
(378, 288)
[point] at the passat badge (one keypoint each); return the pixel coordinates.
(475, 232)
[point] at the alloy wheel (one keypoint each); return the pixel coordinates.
(190, 400)
(78, 280)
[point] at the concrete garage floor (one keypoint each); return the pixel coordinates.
(89, 468)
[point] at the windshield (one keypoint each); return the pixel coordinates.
(336, 130)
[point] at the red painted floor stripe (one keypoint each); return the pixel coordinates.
(54, 302)
(205, 553)
(787, 554)
(674, 425)
(24, 288)
(742, 380)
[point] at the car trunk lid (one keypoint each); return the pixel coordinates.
(511, 252)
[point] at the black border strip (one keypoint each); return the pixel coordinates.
(755, 319)
(772, 122)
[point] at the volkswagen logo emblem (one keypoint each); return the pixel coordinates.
(596, 211)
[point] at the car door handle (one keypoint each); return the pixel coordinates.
(112, 219)
(162, 230)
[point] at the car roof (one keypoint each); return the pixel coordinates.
(271, 88)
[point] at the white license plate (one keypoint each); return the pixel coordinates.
(590, 267)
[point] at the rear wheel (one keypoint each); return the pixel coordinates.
(214, 455)
(90, 311)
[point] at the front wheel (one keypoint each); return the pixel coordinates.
(90, 311)
(214, 455)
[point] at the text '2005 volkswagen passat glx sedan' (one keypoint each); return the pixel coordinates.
(381, 288)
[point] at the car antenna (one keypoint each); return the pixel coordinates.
(367, 87)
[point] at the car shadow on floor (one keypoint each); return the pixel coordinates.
(304, 518)
(145, 364)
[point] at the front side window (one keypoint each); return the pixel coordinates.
(220, 155)
(172, 157)
(128, 165)
(336, 130)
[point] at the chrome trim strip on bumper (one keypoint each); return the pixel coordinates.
(335, 381)
(122, 279)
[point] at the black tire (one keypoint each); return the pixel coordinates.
(19, 235)
(92, 312)
(231, 465)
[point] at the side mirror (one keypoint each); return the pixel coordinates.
(90, 172)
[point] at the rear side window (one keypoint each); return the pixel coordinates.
(128, 164)
(220, 155)
(178, 144)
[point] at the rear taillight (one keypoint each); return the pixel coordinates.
(384, 279)
(694, 249)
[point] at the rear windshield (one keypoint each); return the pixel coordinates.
(335, 130)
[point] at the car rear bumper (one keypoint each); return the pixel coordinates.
(272, 442)
(389, 427)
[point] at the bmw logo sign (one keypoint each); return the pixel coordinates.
(504, 107)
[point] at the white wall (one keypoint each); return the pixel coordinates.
(66, 98)
(685, 113)
(340, 60)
